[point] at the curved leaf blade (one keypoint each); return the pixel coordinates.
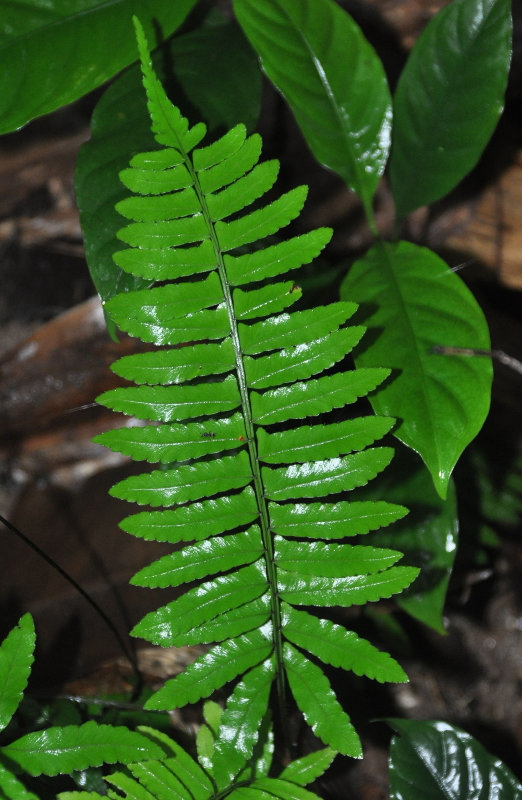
(318, 58)
(308, 768)
(75, 747)
(13, 789)
(59, 52)
(418, 304)
(16, 658)
(316, 699)
(240, 722)
(437, 761)
(449, 99)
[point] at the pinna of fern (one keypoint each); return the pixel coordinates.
(245, 466)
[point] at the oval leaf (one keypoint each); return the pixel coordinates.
(437, 761)
(448, 99)
(318, 58)
(417, 305)
(53, 53)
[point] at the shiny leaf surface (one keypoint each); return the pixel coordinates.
(440, 761)
(74, 747)
(84, 41)
(449, 99)
(332, 79)
(417, 304)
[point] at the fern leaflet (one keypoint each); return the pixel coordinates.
(233, 482)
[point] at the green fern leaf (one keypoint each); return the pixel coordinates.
(307, 769)
(235, 361)
(11, 788)
(16, 658)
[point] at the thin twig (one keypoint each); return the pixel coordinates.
(499, 355)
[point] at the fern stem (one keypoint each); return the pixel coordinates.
(266, 534)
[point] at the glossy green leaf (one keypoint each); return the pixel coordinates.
(168, 403)
(282, 790)
(188, 482)
(437, 761)
(306, 442)
(52, 54)
(221, 664)
(334, 645)
(332, 560)
(333, 475)
(448, 99)
(202, 603)
(270, 299)
(195, 521)
(345, 592)
(235, 610)
(74, 747)
(416, 304)
(181, 763)
(16, 658)
(317, 701)
(332, 520)
(225, 87)
(276, 259)
(172, 366)
(332, 79)
(247, 617)
(168, 443)
(11, 788)
(301, 361)
(240, 723)
(200, 560)
(307, 769)
(316, 396)
(292, 329)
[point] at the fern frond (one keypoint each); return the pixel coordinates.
(235, 361)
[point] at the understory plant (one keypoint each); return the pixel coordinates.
(270, 479)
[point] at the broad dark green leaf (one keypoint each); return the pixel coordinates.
(51, 54)
(437, 761)
(308, 768)
(334, 645)
(16, 658)
(317, 701)
(195, 521)
(74, 747)
(333, 80)
(448, 100)
(209, 557)
(332, 520)
(221, 664)
(321, 441)
(240, 723)
(318, 478)
(345, 592)
(202, 603)
(215, 70)
(415, 304)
